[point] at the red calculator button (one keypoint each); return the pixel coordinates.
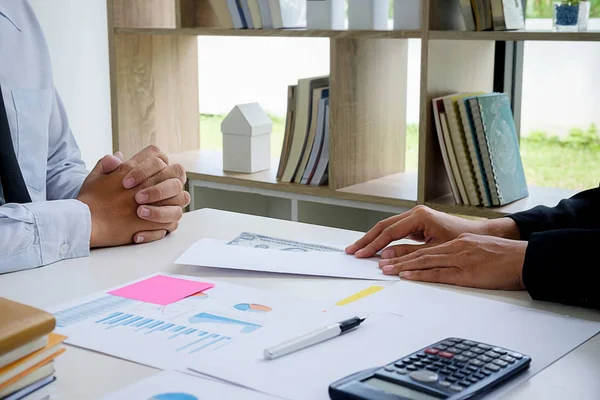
(445, 354)
(432, 351)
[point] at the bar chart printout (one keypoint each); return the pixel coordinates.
(168, 336)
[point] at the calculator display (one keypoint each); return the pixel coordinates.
(403, 391)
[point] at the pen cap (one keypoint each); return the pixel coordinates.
(350, 324)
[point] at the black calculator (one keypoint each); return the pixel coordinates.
(453, 368)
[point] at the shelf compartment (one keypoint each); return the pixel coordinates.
(316, 33)
(537, 196)
(162, 14)
(207, 165)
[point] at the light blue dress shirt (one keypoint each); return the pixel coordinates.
(54, 226)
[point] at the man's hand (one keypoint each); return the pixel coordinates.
(425, 225)
(114, 209)
(486, 262)
(162, 196)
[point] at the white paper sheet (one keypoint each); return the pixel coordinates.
(173, 336)
(425, 315)
(218, 254)
(172, 385)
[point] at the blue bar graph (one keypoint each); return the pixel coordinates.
(92, 308)
(185, 339)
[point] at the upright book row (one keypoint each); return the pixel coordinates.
(260, 14)
(305, 151)
(498, 15)
(480, 148)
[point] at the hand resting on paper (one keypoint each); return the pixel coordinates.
(454, 250)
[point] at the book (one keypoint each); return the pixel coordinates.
(23, 351)
(320, 175)
(286, 14)
(236, 14)
(21, 326)
(246, 13)
(11, 373)
(301, 122)
(221, 10)
(287, 135)
(29, 383)
(255, 14)
(452, 155)
(482, 11)
(468, 17)
(265, 14)
(317, 95)
(315, 152)
(503, 147)
(507, 15)
(438, 113)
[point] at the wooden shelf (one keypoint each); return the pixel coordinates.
(315, 33)
(537, 196)
(399, 190)
(537, 35)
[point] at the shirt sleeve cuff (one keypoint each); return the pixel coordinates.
(63, 229)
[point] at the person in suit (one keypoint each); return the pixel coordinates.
(51, 207)
(548, 251)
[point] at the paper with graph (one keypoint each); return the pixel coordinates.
(172, 336)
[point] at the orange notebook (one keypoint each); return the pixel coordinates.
(22, 324)
(17, 370)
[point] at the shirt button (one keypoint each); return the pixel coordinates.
(64, 248)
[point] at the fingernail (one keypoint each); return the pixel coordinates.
(141, 197)
(387, 253)
(384, 262)
(129, 183)
(145, 212)
(404, 274)
(360, 253)
(388, 268)
(140, 239)
(118, 154)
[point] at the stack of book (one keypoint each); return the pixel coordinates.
(27, 349)
(305, 151)
(260, 14)
(480, 148)
(498, 15)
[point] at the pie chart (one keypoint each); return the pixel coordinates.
(173, 396)
(252, 307)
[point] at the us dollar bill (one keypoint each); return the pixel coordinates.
(273, 243)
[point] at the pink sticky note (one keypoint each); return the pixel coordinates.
(161, 289)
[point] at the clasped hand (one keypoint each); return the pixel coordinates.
(453, 250)
(139, 200)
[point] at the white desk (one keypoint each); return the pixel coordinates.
(87, 375)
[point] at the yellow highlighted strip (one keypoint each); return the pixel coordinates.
(357, 296)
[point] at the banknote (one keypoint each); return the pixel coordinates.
(273, 243)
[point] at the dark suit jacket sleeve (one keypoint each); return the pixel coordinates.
(581, 211)
(562, 266)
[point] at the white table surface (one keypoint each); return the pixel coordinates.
(84, 374)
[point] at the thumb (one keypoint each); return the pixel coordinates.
(110, 163)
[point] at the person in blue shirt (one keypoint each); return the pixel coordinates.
(51, 207)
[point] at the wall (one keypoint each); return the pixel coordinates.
(76, 32)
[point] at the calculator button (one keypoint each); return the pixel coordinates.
(407, 361)
(421, 355)
(445, 384)
(453, 350)
(414, 358)
(477, 350)
(451, 368)
(456, 388)
(399, 365)
(492, 367)
(446, 361)
(424, 376)
(518, 356)
(439, 365)
(484, 346)
(484, 358)
(473, 379)
(440, 347)
(476, 363)
(457, 340)
(508, 359)
(492, 354)
(402, 371)
(419, 365)
(470, 343)
(431, 368)
(464, 383)
(451, 379)
(459, 364)
(431, 351)
(469, 354)
(446, 372)
(426, 361)
(472, 368)
(479, 375)
(462, 346)
(485, 372)
(458, 375)
(499, 351)
(461, 358)
(389, 368)
(500, 363)
(446, 354)
(412, 368)
(448, 343)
